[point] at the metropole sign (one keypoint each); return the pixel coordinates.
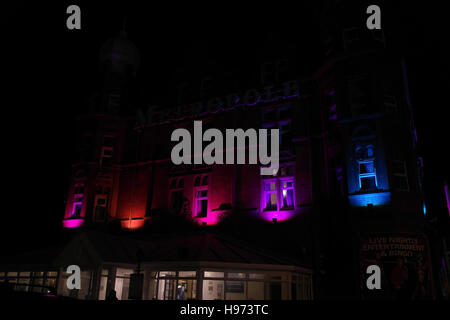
(252, 97)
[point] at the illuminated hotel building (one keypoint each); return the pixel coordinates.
(349, 187)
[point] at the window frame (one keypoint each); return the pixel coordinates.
(403, 175)
(367, 175)
(279, 180)
(198, 189)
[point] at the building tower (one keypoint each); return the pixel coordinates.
(101, 134)
(374, 172)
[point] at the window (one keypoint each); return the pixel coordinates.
(107, 151)
(390, 103)
(378, 35)
(122, 284)
(176, 195)
(114, 103)
(399, 176)
(103, 284)
(200, 180)
(187, 274)
(100, 207)
(280, 119)
(101, 202)
(350, 36)
(259, 276)
(365, 152)
(201, 203)
(201, 196)
(367, 175)
(171, 285)
(79, 189)
(359, 94)
(213, 274)
(270, 196)
(278, 195)
(365, 155)
(287, 195)
(77, 201)
(109, 141)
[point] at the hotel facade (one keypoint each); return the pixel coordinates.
(348, 192)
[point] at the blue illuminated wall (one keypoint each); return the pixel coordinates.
(374, 198)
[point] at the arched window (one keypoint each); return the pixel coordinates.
(197, 181)
(370, 151)
(205, 181)
(365, 151)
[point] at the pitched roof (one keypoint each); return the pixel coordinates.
(92, 247)
(201, 247)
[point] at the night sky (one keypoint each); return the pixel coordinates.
(49, 72)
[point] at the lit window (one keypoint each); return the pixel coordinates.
(163, 274)
(239, 275)
(213, 274)
(287, 195)
(365, 152)
(278, 195)
(270, 196)
(201, 203)
(367, 175)
(76, 209)
(187, 274)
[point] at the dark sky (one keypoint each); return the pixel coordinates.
(49, 72)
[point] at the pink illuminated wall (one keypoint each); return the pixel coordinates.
(72, 223)
(447, 198)
(132, 198)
